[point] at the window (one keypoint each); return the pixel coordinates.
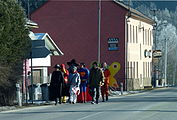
(134, 70)
(128, 69)
(137, 69)
(131, 76)
(143, 69)
(127, 33)
(140, 51)
(143, 37)
(136, 34)
(133, 34)
(148, 69)
(150, 39)
(130, 33)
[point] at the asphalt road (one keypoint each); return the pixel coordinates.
(158, 104)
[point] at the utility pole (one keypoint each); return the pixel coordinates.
(31, 54)
(165, 62)
(28, 12)
(155, 46)
(174, 74)
(99, 30)
(155, 25)
(26, 87)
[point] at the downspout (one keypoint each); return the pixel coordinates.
(126, 50)
(126, 46)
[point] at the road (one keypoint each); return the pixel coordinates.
(159, 104)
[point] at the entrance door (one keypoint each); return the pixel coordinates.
(37, 76)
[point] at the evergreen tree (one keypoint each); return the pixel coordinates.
(14, 47)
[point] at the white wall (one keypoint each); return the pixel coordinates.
(40, 62)
(137, 44)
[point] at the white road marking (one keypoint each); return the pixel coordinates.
(89, 116)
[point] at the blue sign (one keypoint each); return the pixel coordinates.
(113, 44)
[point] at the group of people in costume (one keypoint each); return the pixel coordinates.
(78, 83)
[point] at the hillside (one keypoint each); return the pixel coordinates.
(170, 5)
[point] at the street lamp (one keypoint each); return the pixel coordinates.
(30, 25)
(164, 23)
(165, 82)
(156, 27)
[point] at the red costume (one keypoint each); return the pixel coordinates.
(65, 87)
(104, 88)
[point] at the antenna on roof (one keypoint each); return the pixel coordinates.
(129, 8)
(154, 14)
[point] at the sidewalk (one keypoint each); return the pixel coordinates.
(41, 103)
(6, 108)
(118, 93)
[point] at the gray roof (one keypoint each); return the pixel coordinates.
(49, 43)
(31, 24)
(134, 12)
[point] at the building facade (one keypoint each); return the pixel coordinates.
(43, 47)
(139, 54)
(76, 26)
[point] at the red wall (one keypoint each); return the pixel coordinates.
(74, 28)
(113, 26)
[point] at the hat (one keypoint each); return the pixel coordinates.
(95, 63)
(62, 66)
(57, 66)
(73, 62)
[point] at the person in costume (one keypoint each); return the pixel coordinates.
(105, 87)
(71, 64)
(56, 84)
(65, 87)
(84, 75)
(74, 81)
(96, 79)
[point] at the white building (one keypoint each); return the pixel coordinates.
(139, 50)
(43, 48)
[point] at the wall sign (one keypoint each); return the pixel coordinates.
(113, 44)
(157, 53)
(147, 53)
